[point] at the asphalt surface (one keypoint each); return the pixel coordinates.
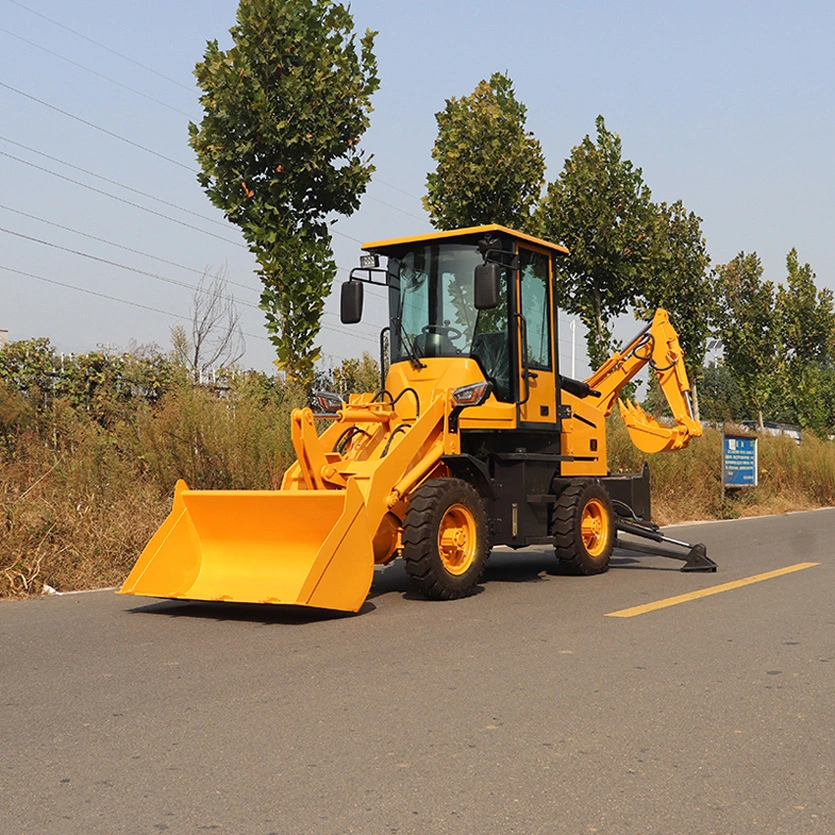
(523, 709)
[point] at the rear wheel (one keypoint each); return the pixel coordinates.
(584, 528)
(445, 539)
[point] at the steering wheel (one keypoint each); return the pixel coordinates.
(442, 330)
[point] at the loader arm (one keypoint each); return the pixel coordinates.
(656, 345)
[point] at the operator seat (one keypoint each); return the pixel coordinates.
(435, 345)
(490, 349)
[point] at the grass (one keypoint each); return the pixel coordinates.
(79, 500)
(687, 485)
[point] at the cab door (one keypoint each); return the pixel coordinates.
(535, 338)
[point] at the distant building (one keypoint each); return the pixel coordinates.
(4, 337)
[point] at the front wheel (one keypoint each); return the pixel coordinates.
(445, 539)
(584, 528)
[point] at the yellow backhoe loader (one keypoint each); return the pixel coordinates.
(475, 439)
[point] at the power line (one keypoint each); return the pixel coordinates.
(98, 127)
(154, 276)
(108, 180)
(94, 72)
(110, 263)
(121, 199)
(91, 292)
(131, 89)
(133, 190)
(129, 303)
(103, 46)
(392, 206)
(120, 246)
(395, 188)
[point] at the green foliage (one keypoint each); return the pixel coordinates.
(749, 327)
(28, 364)
(805, 316)
(284, 110)
(489, 168)
(779, 341)
(720, 398)
(677, 279)
(107, 386)
(806, 327)
(355, 376)
(600, 208)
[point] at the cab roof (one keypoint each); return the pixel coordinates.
(393, 245)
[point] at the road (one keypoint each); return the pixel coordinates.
(523, 709)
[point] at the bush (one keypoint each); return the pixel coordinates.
(89, 455)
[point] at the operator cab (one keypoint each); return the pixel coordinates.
(484, 293)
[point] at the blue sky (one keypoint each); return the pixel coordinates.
(727, 106)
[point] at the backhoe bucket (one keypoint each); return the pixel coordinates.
(647, 433)
(300, 547)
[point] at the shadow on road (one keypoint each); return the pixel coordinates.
(250, 612)
(533, 565)
(524, 566)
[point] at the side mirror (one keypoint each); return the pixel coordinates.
(488, 279)
(350, 302)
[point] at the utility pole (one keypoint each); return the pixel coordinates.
(573, 328)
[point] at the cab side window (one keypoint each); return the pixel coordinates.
(535, 306)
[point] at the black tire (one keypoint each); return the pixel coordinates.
(584, 528)
(445, 541)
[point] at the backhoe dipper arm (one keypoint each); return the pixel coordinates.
(657, 345)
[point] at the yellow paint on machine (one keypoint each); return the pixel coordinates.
(695, 595)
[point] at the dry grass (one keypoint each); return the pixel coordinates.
(78, 502)
(72, 520)
(687, 485)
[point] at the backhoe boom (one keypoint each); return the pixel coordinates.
(656, 345)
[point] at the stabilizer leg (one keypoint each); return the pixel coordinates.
(695, 558)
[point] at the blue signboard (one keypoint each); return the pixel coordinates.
(739, 461)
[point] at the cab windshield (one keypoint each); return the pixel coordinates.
(434, 313)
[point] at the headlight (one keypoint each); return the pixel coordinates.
(325, 401)
(472, 395)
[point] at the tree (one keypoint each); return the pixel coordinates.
(284, 110)
(805, 315)
(600, 208)
(352, 376)
(216, 337)
(678, 280)
(749, 328)
(720, 397)
(806, 327)
(490, 169)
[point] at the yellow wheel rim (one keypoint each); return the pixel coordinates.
(457, 539)
(595, 528)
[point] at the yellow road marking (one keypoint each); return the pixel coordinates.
(695, 595)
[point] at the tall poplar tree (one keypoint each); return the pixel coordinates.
(677, 278)
(806, 326)
(601, 209)
(284, 110)
(749, 328)
(489, 168)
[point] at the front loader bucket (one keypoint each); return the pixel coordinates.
(300, 547)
